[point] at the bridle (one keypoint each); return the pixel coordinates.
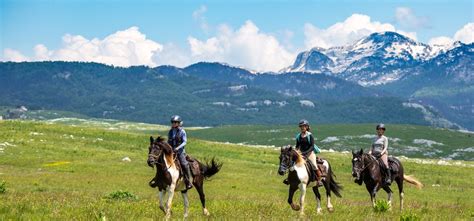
(363, 163)
(157, 156)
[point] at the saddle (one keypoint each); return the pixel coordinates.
(310, 169)
(392, 164)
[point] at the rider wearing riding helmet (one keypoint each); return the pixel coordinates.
(305, 143)
(379, 149)
(177, 139)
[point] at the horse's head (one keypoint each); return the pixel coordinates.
(153, 152)
(286, 159)
(157, 147)
(357, 164)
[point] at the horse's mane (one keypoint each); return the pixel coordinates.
(299, 158)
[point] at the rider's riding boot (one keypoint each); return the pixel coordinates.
(187, 178)
(318, 178)
(388, 176)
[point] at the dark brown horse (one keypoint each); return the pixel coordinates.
(365, 168)
(299, 178)
(168, 178)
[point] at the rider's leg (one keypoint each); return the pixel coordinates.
(312, 158)
(186, 170)
(387, 169)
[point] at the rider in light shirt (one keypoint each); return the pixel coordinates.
(379, 149)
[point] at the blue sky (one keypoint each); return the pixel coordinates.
(182, 32)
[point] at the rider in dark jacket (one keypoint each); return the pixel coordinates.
(177, 139)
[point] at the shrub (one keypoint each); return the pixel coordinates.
(3, 187)
(409, 217)
(122, 195)
(381, 206)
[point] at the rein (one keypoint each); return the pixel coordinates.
(365, 167)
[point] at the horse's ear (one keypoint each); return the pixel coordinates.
(361, 151)
(151, 140)
(291, 148)
(353, 153)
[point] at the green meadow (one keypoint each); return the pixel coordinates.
(53, 171)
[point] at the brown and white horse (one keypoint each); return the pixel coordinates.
(299, 178)
(168, 178)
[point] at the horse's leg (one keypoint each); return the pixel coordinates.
(170, 193)
(400, 190)
(302, 187)
(389, 193)
(198, 184)
(291, 192)
(373, 193)
(328, 194)
(318, 199)
(186, 202)
(161, 193)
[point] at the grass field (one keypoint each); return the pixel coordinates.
(61, 172)
(406, 140)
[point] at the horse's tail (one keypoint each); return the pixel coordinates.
(334, 186)
(412, 180)
(210, 168)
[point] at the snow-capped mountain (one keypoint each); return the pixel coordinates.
(380, 58)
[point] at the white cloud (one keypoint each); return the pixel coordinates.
(247, 47)
(198, 15)
(350, 30)
(407, 18)
(123, 48)
(13, 55)
(465, 35)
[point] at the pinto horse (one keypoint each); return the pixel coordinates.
(299, 178)
(365, 168)
(168, 178)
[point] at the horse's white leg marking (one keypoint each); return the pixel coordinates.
(302, 187)
(401, 201)
(205, 212)
(390, 198)
(186, 204)
(160, 196)
(318, 209)
(170, 192)
(330, 207)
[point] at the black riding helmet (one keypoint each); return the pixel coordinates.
(380, 126)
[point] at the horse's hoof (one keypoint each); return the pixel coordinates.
(205, 212)
(331, 209)
(185, 215)
(319, 211)
(162, 209)
(295, 207)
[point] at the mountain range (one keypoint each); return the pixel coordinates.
(385, 77)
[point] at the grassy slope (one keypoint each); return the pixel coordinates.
(404, 145)
(247, 186)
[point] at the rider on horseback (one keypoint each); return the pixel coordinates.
(305, 144)
(177, 139)
(379, 149)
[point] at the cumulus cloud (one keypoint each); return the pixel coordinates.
(247, 47)
(123, 48)
(465, 35)
(352, 29)
(13, 55)
(407, 18)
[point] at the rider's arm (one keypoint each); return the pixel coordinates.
(298, 142)
(385, 146)
(311, 146)
(184, 139)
